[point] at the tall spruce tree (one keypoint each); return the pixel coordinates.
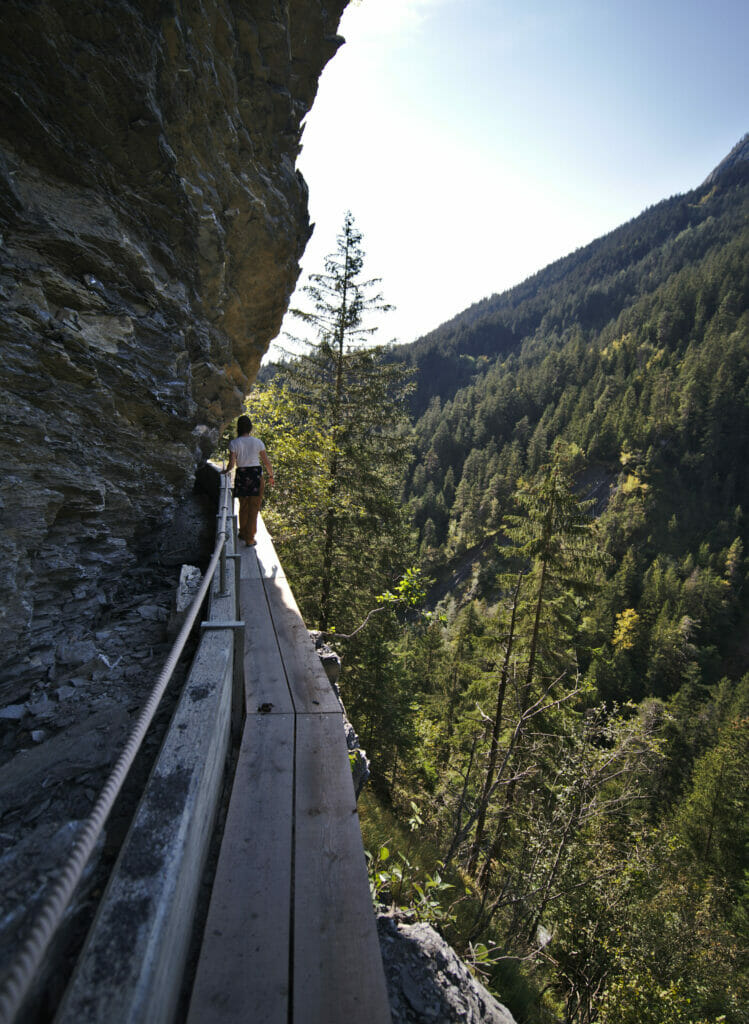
(551, 542)
(359, 399)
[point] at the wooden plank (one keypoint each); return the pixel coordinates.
(310, 688)
(248, 564)
(264, 673)
(337, 967)
(242, 973)
(261, 560)
(268, 563)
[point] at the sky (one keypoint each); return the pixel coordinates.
(477, 141)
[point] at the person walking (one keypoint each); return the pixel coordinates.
(246, 453)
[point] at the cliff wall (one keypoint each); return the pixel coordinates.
(151, 224)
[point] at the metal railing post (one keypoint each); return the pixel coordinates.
(222, 572)
(224, 516)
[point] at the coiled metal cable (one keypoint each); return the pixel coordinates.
(29, 957)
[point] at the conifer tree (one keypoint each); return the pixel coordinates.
(552, 539)
(359, 398)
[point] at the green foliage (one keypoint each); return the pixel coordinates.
(637, 997)
(394, 883)
(619, 833)
(410, 591)
(301, 449)
(398, 882)
(713, 820)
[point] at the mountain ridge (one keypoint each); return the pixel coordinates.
(739, 154)
(497, 324)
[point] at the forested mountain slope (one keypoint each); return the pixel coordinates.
(579, 732)
(635, 349)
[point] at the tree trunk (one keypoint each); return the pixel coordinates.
(326, 575)
(496, 729)
(496, 848)
(457, 836)
(551, 878)
(326, 582)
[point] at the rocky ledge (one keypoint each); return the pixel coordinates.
(58, 746)
(427, 981)
(151, 224)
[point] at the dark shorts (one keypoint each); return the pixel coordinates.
(248, 482)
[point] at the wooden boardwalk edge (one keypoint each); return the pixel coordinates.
(338, 974)
(290, 936)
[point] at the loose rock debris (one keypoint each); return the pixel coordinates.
(58, 746)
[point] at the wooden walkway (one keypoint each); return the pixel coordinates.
(290, 936)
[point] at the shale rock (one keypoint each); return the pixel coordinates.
(57, 748)
(427, 981)
(190, 535)
(151, 225)
(93, 743)
(190, 579)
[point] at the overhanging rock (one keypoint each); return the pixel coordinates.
(151, 225)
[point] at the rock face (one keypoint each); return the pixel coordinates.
(151, 224)
(427, 981)
(738, 155)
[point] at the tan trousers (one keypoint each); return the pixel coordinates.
(248, 510)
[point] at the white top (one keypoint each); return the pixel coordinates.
(247, 449)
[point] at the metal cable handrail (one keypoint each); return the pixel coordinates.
(29, 957)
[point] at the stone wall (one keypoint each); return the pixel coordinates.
(151, 224)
